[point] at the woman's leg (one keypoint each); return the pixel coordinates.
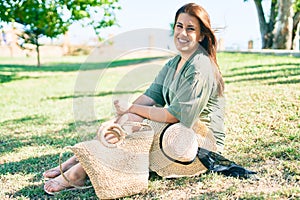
(54, 172)
(75, 174)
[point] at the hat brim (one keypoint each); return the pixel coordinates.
(167, 168)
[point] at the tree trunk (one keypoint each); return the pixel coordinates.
(262, 22)
(283, 30)
(38, 51)
(296, 31)
(66, 43)
(38, 55)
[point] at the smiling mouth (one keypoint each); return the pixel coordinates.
(182, 40)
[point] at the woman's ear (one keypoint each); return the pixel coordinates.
(201, 38)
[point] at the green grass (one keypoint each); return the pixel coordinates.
(44, 109)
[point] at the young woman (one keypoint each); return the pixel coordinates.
(189, 89)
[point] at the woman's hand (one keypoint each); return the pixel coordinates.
(122, 107)
(121, 120)
(129, 117)
(111, 138)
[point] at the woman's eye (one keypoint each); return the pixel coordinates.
(190, 29)
(179, 26)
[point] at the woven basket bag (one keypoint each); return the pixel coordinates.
(120, 169)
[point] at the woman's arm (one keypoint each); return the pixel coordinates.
(159, 114)
(122, 107)
(144, 100)
(143, 106)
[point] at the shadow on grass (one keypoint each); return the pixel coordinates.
(37, 192)
(13, 77)
(9, 142)
(284, 74)
(289, 70)
(272, 79)
(290, 81)
(57, 139)
(100, 94)
(282, 149)
(69, 67)
(37, 165)
(32, 119)
(265, 65)
(32, 165)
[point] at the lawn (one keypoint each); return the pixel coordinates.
(64, 101)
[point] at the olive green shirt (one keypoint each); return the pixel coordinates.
(191, 94)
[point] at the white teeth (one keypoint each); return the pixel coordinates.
(182, 40)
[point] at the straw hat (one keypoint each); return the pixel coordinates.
(174, 148)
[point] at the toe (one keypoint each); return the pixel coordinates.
(55, 185)
(51, 173)
(47, 187)
(52, 186)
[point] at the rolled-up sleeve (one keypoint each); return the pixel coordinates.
(155, 91)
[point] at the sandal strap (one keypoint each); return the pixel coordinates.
(64, 176)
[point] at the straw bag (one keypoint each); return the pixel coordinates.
(120, 169)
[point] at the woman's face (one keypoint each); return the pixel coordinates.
(187, 34)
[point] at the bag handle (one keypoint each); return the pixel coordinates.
(114, 129)
(63, 174)
(117, 131)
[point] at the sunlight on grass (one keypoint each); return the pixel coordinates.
(44, 109)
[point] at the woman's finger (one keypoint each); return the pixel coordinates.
(111, 138)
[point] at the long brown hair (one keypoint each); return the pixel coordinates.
(209, 42)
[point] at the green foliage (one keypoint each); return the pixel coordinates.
(297, 6)
(53, 17)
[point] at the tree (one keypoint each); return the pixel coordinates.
(282, 29)
(53, 17)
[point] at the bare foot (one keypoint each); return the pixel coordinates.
(59, 184)
(75, 175)
(54, 172)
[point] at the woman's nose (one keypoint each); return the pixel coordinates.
(183, 32)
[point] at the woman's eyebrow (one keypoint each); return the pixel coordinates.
(190, 25)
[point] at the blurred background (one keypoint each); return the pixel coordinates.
(241, 25)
